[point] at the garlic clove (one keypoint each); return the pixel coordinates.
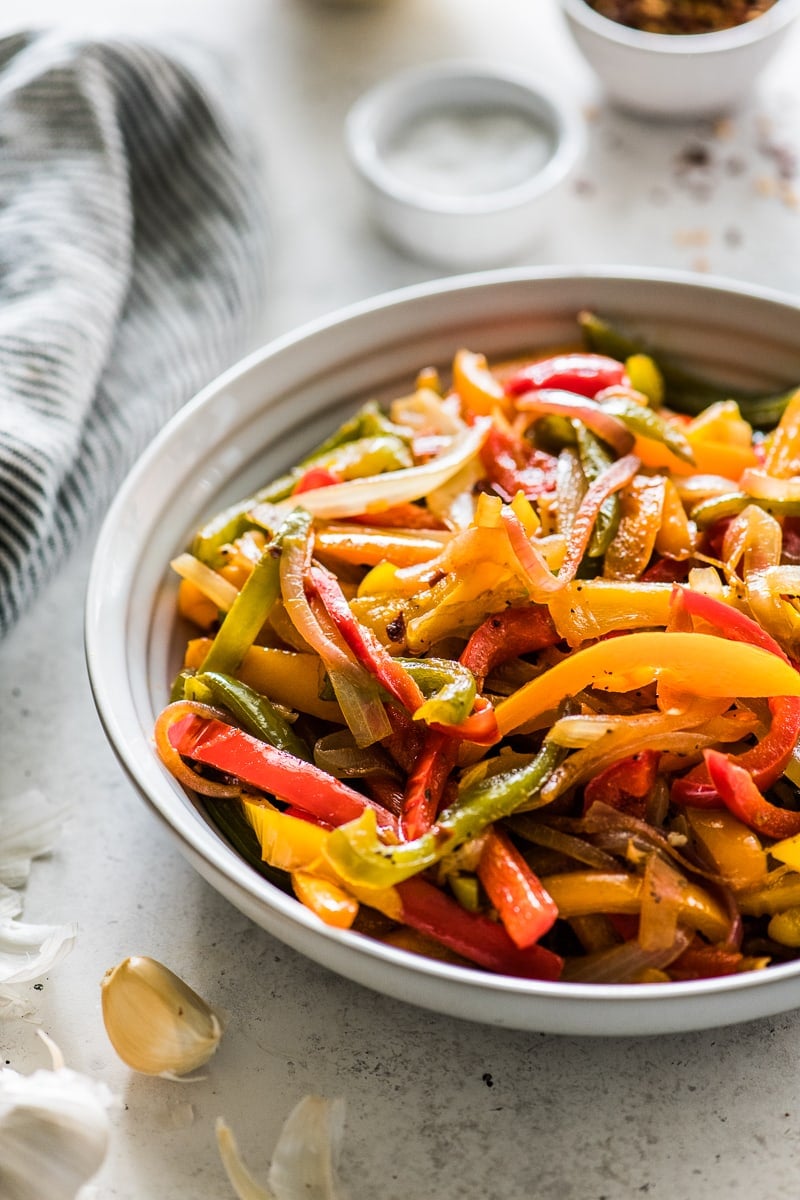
(54, 1133)
(154, 1020)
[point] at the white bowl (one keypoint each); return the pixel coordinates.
(260, 417)
(462, 162)
(666, 75)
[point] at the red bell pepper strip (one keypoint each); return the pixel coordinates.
(506, 635)
(363, 642)
(476, 937)
(512, 465)
(526, 909)
(426, 783)
(767, 760)
(480, 726)
(583, 374)
(549, 401)
(741, 796)
(612, 480)
(315, 477)
(699, 961)
(625, 785)
(303, 785)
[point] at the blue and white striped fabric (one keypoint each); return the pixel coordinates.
(132, 267)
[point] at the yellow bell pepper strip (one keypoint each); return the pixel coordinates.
(250, 708)
(523, 905)
(645, 378)
(327, 900)
(248, 612)
(676, 536)
(368, 546)
(615, 477)
(580, 893)
(478, 389)
(513, 465)
(686, 391)
(359, 856)
(591, 608)
(243, 756)
(581, 374)
(474, 936)
(297, 681)
(783, 456)
(729, 846)
(697, 663)
(229, 817)
(550, 402)
(646, 423)
(595, 462)
(740, 794)
(768, 759)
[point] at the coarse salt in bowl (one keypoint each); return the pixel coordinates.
(678, 75)
(462, 162)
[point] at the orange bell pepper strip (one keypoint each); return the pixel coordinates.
(524, 906)
(475, 384)
(697, 663)
(579, 893)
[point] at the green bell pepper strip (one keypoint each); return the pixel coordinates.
(449, 688)
(358, 855)
(644, 422)
(229, 819)
(686, 391)
(730, 504)
(254, 712)
(232, 522)
(595, 460)
(250, 609)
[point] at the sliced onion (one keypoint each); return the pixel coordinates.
(624, 963)
(172, 760)
(377, 492)
(757, 483)
(209, 582)
(338, 754)
(546, 401)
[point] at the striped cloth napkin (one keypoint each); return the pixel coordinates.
(132, 266)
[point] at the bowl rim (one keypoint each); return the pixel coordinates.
(781, 14)
(222, 866)
(562, 118)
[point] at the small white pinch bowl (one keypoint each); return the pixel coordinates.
(492, 223)
(678, 75)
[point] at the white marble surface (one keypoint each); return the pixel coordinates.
(436, 1108)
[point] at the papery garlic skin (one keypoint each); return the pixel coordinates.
(54, 1132)
(154, 1021)
(304, 1160)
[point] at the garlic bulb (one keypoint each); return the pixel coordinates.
(54, 1132)
(155, 1022)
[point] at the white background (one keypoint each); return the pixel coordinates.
(436, 1108)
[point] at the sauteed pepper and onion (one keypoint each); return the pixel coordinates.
(506, 673)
